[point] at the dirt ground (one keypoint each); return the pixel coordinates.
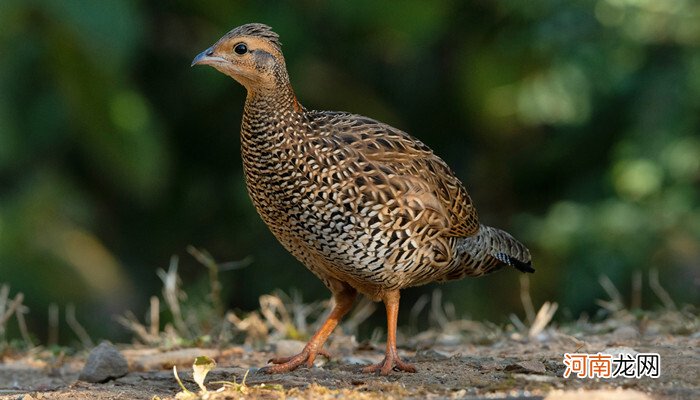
(450, 365)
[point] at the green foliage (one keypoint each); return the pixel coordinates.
(574, 125)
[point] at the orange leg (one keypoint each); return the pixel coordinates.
(344, 296)
(391, 359)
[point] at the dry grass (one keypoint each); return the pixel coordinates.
(536, 322)
(176, 319)
(615, 314)
(280, 316)
(13, 307)
(202, 321)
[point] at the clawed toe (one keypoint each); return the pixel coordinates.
(388, 364)
(286, 364)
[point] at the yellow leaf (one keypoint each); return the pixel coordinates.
(201, 367)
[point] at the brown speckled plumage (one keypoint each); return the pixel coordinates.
(365, 206)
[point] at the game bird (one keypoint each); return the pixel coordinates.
(365, 206)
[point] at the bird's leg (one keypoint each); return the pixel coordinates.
(391, 359)
(344, 295)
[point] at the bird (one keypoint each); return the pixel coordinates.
(366, 207)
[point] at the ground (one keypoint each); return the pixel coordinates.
(451, 364)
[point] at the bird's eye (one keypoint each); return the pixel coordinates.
(240, 48)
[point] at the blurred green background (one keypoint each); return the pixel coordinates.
(574, 124)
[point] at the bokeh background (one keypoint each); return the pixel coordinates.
(575, 126)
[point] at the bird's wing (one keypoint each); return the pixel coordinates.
(408, 170)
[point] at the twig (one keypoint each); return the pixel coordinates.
(376, 335)
(636, 303)
(437, 313)
(298, 310)
(364, 309)
(225, 334)
(270, 307)
(4, 295)
(517, 323)
(154, 316)
(660, 292)
(130, 322)
(212, 267)
(172, 295)
(23, 326)
(417, 308)
(254, 327)
(14, 305)
(78, 329)
(231, 265)
(53, 325)
(613, 293)
(18, 309)
(450, 311)
(543, 318)
(526, 299)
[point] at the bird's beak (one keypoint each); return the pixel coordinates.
(206, 57)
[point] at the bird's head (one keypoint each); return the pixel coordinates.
(251, 54)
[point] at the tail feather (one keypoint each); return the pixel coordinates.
(507, 249)
(514, 262)
(490, 250)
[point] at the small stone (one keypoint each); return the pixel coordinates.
(620, 350)
(447, 339)
(489, 365)
(105, 362)
(529, 366)
(537, 378)
(431, 354)
(625, 333)
(287, 347)
(356, 361)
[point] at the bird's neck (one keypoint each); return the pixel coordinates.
(267, 114)
(273, 99)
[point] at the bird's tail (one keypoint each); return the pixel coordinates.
(508, 250)
(491, 248)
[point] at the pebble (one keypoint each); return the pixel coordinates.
(357, 361)
(105, 362)
(625, 333)
(447, 339)
(620, 350)
(287, 347)
(432, 354)
(537, 378)
(530, 366)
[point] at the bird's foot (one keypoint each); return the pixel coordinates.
(286, 364)
(391, 361)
